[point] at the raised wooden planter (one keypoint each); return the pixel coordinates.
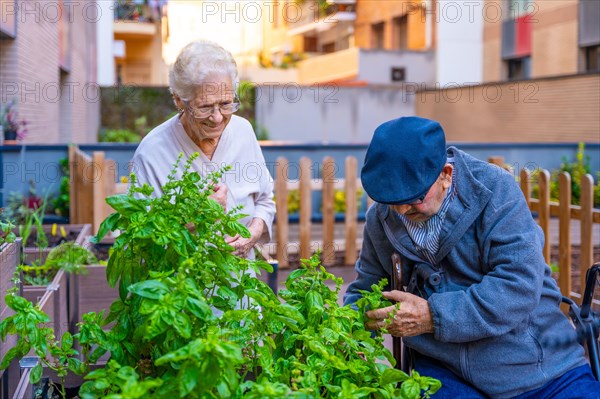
(53, 300)
(89, 293)
(74, 232)
(25, 389)
(9, 259)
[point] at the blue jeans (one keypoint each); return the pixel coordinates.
(578, 383)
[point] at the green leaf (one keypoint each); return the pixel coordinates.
(188, 377)
(430, 384)
(11, 354)
(67, 341)
(107, 225)
(152, 289)
(393, 376)
(198, 308)
(290, 312)
(410, 389)
(125, 204)
(182, 324)
(36, 373)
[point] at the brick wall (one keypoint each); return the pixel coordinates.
(542, 110)
(56, 104)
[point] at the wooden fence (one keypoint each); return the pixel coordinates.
(565, 212)
(349, 243)
(306, 184)
(92, 180)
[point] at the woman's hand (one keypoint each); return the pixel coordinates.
(220, 194)
(411, 317)
(243, 245)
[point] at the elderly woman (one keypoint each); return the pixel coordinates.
(203, 81)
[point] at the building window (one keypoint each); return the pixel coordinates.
(310, 44)
(592, 58)
(377, 35)
(519, 8)
(329, 47)
(400, 32)
(519, 68)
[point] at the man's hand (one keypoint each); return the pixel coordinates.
(243, 245)
(220, 195)
(413, 317)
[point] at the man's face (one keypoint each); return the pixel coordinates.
(421, 211)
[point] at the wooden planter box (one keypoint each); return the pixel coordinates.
(9, 259)
(75, 232)
(53, 300)
(89, 293)
(25, 390)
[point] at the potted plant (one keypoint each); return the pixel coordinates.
(192, 321)
(14, 129)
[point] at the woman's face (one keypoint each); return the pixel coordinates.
(218, 90)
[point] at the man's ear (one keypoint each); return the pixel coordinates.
(447, 175)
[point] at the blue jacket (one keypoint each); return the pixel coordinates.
(496, 312)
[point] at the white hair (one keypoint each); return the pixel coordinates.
(195, 63)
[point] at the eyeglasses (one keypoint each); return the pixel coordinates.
(225, 108)
(419, 200)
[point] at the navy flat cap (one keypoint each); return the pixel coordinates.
(404, 159)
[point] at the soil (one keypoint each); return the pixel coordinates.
(575, 267)
(101, 250)
(53, 240)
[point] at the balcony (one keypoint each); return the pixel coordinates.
(377, 67)
(135, 21)
(132, 30)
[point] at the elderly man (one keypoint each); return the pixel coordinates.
(480, 310)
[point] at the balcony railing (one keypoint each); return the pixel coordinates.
(138, 11)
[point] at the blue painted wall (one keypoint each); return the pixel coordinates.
(39, 163)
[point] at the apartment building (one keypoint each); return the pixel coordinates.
(139, 31)
(48, 66)
(526, 39)
(541, 80)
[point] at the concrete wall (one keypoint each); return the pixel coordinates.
(19, 164)
(328, 113)
(459, 42)
(105, 45)
(375, 66)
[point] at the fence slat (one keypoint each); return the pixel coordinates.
(564, 234)
(305, 207)
(351, 210)
(587, 203)
(525, 186)
(281, 204)
(83, 173)
(497, 160)
(554, 210)
(544, 210)
(328, 176)
(99, 190)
